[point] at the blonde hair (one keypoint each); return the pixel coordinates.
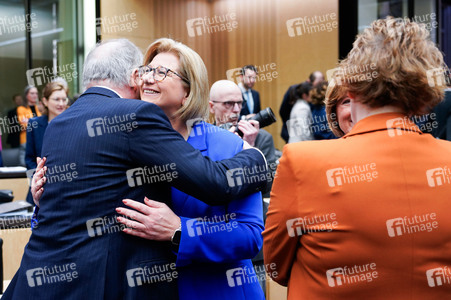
(193, 69)
(400, 53)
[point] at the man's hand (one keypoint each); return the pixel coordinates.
(38, 180)
(250, 130)
(152, 220)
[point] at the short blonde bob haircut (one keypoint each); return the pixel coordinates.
(334, 94)
(192, 68)
(400, 53)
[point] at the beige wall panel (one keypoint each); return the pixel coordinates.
(14, 241)
(19, 186)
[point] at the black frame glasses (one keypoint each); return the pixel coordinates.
(159, 73)
(229, 104)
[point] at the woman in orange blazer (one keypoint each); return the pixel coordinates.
(367, 216)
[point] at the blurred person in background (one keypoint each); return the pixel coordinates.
(225, 104)
(251, 104)
(289, 100)
(299, 124)
(1, 148)
(367, 215)
(54, 99)
(174, 77)
(443, 113)
(13, 138)
(338, 109)
(25, 112)
(319, 126)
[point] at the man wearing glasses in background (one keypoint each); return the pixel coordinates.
(251, 97)
(226, 102)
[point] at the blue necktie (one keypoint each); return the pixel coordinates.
(250, 102)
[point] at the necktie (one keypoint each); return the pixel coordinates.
(250, 102)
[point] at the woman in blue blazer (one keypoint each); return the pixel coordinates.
(214, 245)
(54, 98)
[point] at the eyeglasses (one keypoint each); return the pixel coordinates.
(159, 73)
(229, 104)
(65, 100)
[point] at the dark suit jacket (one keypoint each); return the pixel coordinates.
(35, 137)
(443, 114)
(285, 111)
(245, 109)
(99, 152)
(13, 138)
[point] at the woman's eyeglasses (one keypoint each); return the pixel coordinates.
(159, 73)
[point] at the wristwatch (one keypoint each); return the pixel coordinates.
(176, 236)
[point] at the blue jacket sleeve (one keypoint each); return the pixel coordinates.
(211, 237)
(222, 242)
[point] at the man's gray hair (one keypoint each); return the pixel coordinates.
(112, 61)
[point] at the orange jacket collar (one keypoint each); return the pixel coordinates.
(384, 121)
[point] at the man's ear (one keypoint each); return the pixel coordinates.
(210, 106)
(134, 79)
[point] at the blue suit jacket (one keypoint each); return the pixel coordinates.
(101, 150)
(257, 108)
(35, 137)
(214, 256)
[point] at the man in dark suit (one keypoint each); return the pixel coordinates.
(443, 113)
(251, 104)
(13, 138)
(100, 151)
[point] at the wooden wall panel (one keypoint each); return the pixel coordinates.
(261, 38)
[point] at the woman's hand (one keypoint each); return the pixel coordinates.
(153, 220)
(38, 180)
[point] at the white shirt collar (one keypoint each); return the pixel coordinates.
(104, 87)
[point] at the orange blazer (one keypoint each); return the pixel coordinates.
(23, 115)
(367, 216)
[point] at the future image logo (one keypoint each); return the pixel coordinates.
(409, 225)
(49, 275)
(43, 75)
(351, 275)
(110, 125)
(151, 274)
(208, 25)
(438, 176)
(310, 25)
(438, 276)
